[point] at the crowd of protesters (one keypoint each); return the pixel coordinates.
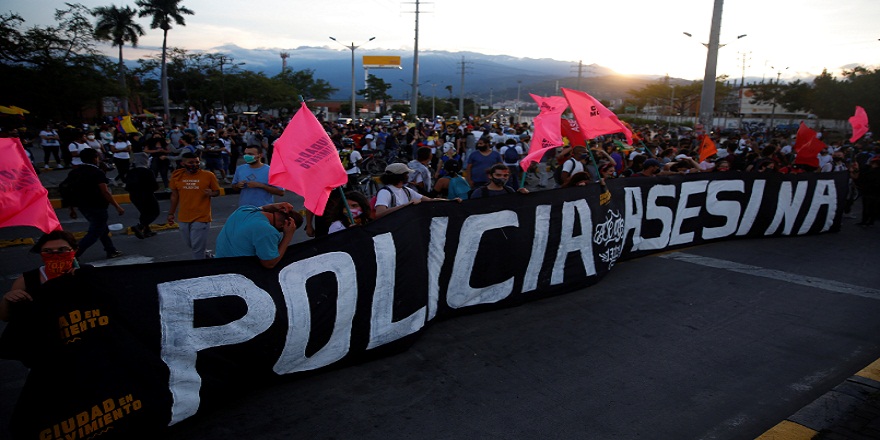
(426, 160)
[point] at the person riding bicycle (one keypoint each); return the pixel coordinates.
(351, 161)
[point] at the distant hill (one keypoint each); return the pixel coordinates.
(485, 75)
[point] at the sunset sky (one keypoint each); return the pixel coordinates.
(628, 36)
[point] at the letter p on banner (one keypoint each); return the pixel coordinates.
(181, 340)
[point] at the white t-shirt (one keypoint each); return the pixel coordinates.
(572, 167)
(383, 198)
(353, 158)
(49, 142)
(120, 150)
(77, 148)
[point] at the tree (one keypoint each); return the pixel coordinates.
(163, 13)
(117, 25)
(377, 90)
(56, 70)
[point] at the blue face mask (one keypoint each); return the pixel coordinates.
(250, 159)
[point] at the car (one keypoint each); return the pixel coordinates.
(386, 120)
(343, 121)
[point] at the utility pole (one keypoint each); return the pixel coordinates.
(707, 99)
(284, 57)
(433, 100)
(414, 102)
(580, 71)
(746, 57)
(461, 90)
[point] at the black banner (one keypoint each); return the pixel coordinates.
(143, 347)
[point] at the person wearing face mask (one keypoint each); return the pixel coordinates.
(192, 189)
(264, 232)
(252, 178)
(157, 149)
(479, 162)
(76, 147)
(498, 176)
(93, 199)
(838, 163)
(359, 207)
(58, 252)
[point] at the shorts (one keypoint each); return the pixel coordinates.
(213, 163)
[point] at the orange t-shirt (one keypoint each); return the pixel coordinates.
(195, 205)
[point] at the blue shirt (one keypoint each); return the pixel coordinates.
(253, 196)
(479, 165)
(248, 233)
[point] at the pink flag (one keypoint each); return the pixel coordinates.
(547, 128)
(23, 199)
(306, 162)
(859, 122)
(592, 117)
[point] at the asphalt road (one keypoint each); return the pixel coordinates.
(665, 347)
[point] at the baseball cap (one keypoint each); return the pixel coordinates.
(398, 168)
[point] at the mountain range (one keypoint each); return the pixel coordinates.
(495, 77)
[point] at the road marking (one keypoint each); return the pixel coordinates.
(788, 431)
(130, 259)
(818, 283)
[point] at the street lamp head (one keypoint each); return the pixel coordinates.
(688, 34)
(372, 38)
(333, 39)
(743, 35)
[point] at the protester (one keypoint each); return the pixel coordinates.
(141, 186)
(868, 181)
(192, 189)
(452, 186)
(93, 198)
(264, 232)
(351, 161)
(479, 162)
(497, 175)
(76, 147)
(358, 207)
(157, 149)
(650, 168)
(58, 251)
(394, 195)
(50, 141)
(121, 158)
(420, 178)
(252, 178)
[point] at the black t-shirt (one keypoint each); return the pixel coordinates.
(88, 178)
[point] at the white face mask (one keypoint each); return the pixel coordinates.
(91, 137)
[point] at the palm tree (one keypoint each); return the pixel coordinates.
(163, 13)
(117, 26)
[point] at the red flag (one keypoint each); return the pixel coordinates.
(592, 117)
(707, 148)
(547, 128)
(807, 147)
(23, 199)
(306, 162)
(572, 132)
(859, 122)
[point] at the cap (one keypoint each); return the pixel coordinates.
(651, 163)
(211, 130)
(681, 156)
(398, 168)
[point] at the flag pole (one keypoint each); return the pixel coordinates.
(593, 159)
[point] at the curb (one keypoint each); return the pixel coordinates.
(124, 198)
(830, 409)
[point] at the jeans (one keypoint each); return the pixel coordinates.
(98, 230)
(195, 236)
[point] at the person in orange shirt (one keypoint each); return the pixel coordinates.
(191, 190)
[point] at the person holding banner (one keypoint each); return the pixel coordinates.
(394, 195)
(264, 232)
(498, 176)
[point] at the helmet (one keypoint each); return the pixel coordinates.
(347, 142)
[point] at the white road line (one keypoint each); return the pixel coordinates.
(818, 283)
(128, 259)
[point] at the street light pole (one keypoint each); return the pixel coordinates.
(352, 48)
(707, 99)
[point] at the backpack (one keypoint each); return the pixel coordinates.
(511, 155)
(71, 189)
(458, 188)
(393, 199)
(345, 156)
(557, 173)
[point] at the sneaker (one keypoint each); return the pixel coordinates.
(209, 254)
(138, 231)
(47, 167)
(114, 254)
(168, 190)
(59, 167)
